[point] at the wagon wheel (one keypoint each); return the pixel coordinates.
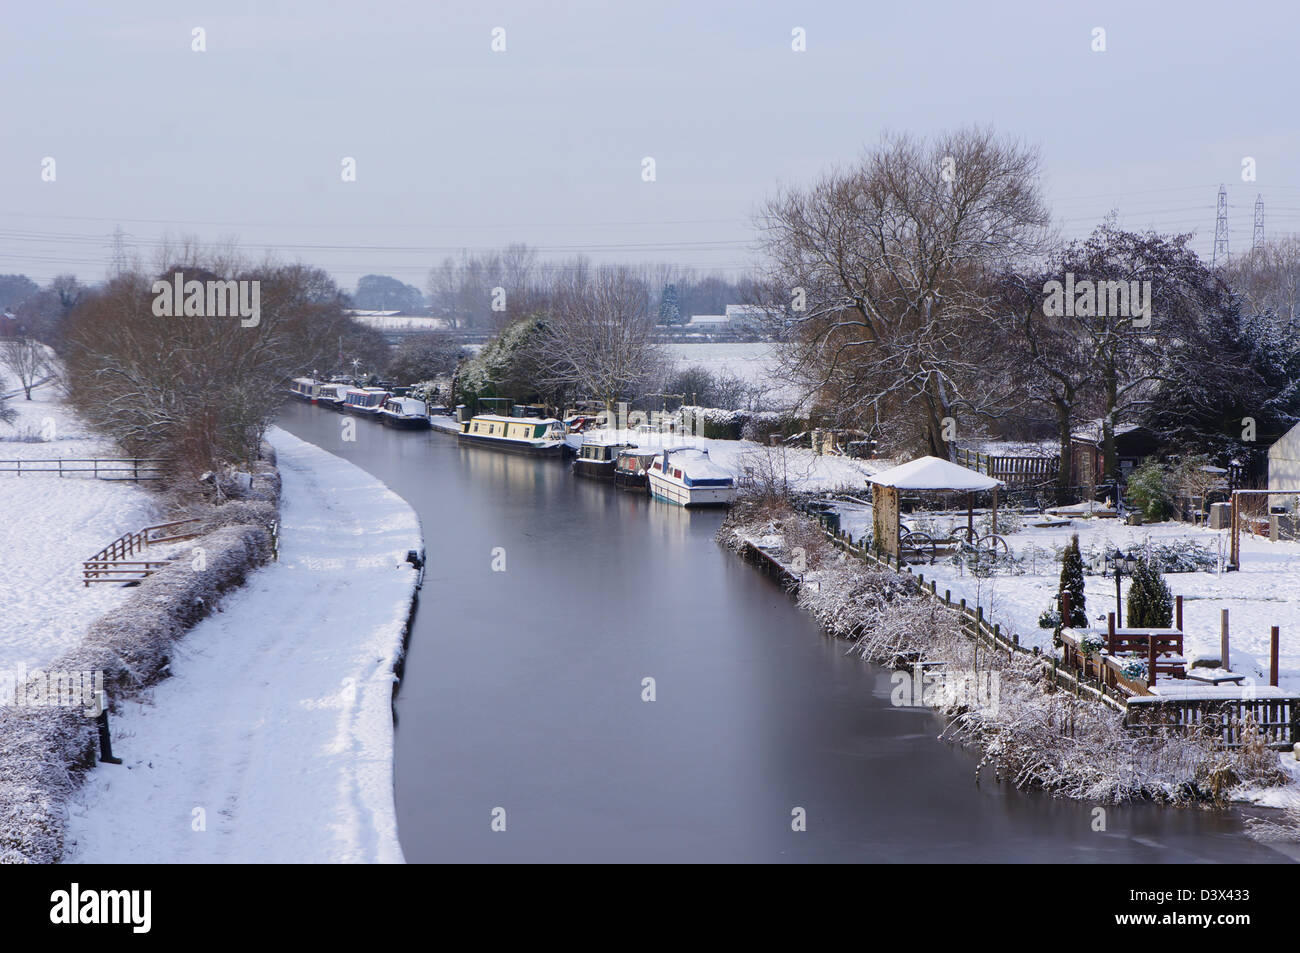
(917, 542)
(993, 542)
(965, 534)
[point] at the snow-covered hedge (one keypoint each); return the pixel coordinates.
(45, 751)
(719, 424)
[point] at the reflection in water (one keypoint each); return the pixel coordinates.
(523, 691)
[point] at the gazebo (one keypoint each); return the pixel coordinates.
(927, 474)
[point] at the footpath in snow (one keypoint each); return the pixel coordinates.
(275, 731)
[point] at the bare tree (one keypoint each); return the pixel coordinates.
(489, 289)
(200, 391)
(1269, 278)
(890, 262)
(1046, 361)
(599, 338)
(26, 359)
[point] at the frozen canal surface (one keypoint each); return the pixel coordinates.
(523, 691)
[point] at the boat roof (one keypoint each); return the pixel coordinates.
(406, 403)
(695, 462)
(304, 380)
(516, 420)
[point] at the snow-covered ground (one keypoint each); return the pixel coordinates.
(1266, 592)
(48, 525)
(404, 323)
(276, 725)
(755, 363)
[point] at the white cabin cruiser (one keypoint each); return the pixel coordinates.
(687, 477)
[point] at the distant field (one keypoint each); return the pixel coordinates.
(754, 362)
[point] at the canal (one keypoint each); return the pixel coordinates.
(548, 601)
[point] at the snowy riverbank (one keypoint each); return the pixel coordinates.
(1029, 731)
(272, 742)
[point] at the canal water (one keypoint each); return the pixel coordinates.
(548, 600)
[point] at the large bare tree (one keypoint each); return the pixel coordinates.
(599, 337)
(199, 391)
(887, 267)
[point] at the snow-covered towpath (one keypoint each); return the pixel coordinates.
(275, 729)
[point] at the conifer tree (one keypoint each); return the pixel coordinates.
(669, 312)
(1150, 603)
(1072, 582)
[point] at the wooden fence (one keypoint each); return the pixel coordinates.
(111, 564)
(1011, 470)
(1226, 720)
(102, 468)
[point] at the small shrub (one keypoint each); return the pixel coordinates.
(1149, 492)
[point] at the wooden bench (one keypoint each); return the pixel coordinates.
(1136, 643)
(1119, 646)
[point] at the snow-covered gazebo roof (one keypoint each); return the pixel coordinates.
(932, 473)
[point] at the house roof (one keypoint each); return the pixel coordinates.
(932, 473)
(1091, 431)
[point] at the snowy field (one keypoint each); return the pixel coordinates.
(391, 323)
(49, 525)
(756, 363)
(1266, 592)
(276, 726)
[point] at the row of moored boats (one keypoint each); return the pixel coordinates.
(391, 406)
(684, 475)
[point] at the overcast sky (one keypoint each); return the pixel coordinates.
(459, 146)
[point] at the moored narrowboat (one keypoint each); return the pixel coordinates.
(305, 388)
(365, 401)
(543, 436)
(631, 465)
(332, 395)
(596, 458)
(404, 413)
(687, 477)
